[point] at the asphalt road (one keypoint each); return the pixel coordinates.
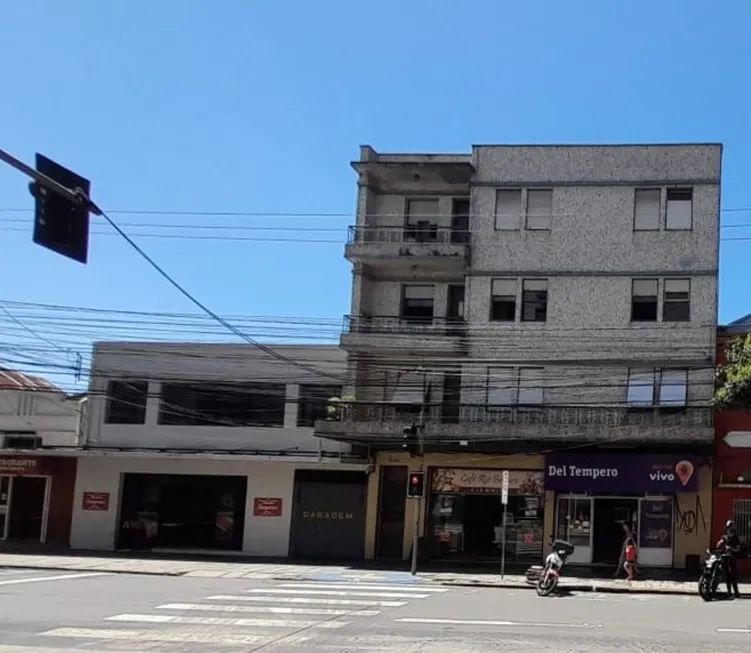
(67, 612)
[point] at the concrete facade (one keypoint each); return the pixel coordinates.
(160, 363)
(589, 253)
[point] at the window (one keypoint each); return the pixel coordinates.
(503, 300)
(650, 388)
(644, 300)
(531, 386)
(508, 209)
(676, 300)
(742, 518)
(641, 389)
(417, 304)
(502, 387)
(647, 209)
(534, 300)
(679, 212)
(126, 402)
(673, 388)
(410, 393)
(223, 404)
(313, 403)
(422, 221)
(539, 209)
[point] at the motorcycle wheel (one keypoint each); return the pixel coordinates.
(705, 589)
(547, 583)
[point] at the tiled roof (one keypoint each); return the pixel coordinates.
(13, 380)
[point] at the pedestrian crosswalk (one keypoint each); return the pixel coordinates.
(285, 614)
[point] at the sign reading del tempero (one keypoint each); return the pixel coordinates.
(636, 473)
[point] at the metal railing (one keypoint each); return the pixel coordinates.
(422, 235)
(385, 324)
(531, 415)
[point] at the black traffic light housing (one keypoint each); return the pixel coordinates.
(61, 224)
(411, 439)
(416, 485)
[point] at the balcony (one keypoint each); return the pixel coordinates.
(378, 424)
(442, 335)
(445, 248)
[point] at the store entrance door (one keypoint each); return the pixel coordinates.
(27, 499)
(612, 517)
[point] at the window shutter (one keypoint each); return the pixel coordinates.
(423, 210)
(508, 208)
(418, 292)
(647, 209)
(539, 209)
(504, 288)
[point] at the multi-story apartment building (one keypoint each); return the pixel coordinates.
(210, 447)
(39, 430)
(542, 307)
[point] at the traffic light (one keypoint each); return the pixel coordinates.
(60, 224)
(416, 486)
(410, 440)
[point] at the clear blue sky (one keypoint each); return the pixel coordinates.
(239, 105)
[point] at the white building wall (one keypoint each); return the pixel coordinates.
(159, 362)
(263, 536)
(50, 415)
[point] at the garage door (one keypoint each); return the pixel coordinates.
(328, 516)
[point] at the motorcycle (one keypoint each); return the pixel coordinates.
(712, 574)
(554, 564)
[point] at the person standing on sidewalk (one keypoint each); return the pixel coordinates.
(627, 535)
(730, 545)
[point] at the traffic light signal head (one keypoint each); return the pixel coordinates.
(416, 486)
(410, 440)
(61, 224)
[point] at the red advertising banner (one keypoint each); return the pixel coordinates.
(267, 507)
(96, 501)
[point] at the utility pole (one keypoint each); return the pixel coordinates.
(421, 453)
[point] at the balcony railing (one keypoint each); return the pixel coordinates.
(531, 415)
(422, 235)
(385, 324)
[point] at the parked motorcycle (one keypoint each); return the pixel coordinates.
(712, 575)
(554, 564)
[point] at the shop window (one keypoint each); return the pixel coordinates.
(313, 403)
(676, 305)
(644, 300)
(503, 300)
(126, 402)
(575, 522)
(534, 300)
(230, 404)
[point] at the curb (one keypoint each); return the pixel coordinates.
(572, 588)
(94, 569)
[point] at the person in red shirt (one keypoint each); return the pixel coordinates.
(629, 564)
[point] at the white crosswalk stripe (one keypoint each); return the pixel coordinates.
(288, 613)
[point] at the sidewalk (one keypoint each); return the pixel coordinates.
(286, 571)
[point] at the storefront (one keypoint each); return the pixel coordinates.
(600, 498)
(465, 515)
(195, 503)
(36, 498)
